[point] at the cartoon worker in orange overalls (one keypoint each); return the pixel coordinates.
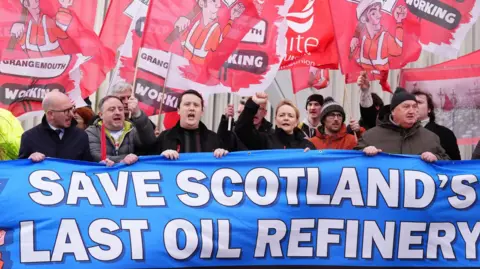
(38, 34)
(205, 34)
(376, 44)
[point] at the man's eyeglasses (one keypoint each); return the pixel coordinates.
(65, 111)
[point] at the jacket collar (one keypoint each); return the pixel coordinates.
(177, 130)
(387, 123)
(265, 126)
(320, 133)
(45, 124)
(284, 137)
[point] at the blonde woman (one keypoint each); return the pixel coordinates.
(286, 135)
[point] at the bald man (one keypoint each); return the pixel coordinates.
(56, 136)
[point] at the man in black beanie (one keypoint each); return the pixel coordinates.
(400, 132)
(313, 105)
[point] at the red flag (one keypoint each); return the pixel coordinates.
(310, 36)
(309, 77)
(455, 89)
(382, 76)
(373, 35)
(24, 83)
(46, 28)
(379, 35)
(253, 53)
(444, 24)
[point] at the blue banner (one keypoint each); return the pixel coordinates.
(265, 208)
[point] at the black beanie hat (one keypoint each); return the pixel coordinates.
(331, 106)
(314, 97)
(400, 96)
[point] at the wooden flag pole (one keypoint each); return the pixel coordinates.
(159, 121)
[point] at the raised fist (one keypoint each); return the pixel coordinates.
(363, 81)
(182, 23)
(237, 11)
(229, 111)
(17, 29)
(260, 98)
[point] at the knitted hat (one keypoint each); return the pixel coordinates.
(400, 96)
(331, 106)
(314, 97)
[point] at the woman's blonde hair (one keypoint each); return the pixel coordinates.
(286, 102)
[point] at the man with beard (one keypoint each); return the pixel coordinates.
(190, 134)
(57, 136)
(333, 132)
(312, 122)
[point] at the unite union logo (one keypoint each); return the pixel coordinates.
(302, 21)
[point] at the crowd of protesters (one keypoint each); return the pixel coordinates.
(122, 131)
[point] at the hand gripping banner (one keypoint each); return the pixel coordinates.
(283, 209)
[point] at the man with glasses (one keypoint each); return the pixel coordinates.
(56, 136)
(332, 134)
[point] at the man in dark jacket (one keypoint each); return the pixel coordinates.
(56, 136)
(122, 139)
(190, 134)
(401, 133)
(261, 124)
(426, 111)
(311, 123)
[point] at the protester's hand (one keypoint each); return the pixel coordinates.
(260, 98)
(429, 157)
(133, 106)
(371, 151)
(237, 10)
(400, 13)
(37, 157)
(306, 150)
(66, 3)
(157, 132)
(2, 237)
(355, 125)
(229, 111)
(108, 162)
(182, 23)
(354, 44)
(363, 81)
(219, 153)
(130, 159)
(170, 154)
(17, 29)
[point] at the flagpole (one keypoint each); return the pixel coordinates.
(159, 120)
(349, 108)
(230, 119)
(134, 80)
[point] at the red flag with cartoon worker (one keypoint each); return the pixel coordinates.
(374, 35)
(379, 35)
(214, 45)
(47, 28)
(310, 36)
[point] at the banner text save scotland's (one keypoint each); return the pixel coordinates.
(259, 208)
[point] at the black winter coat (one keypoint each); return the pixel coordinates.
(43, 139)
(255, 140)
(174, 139)
(448, 140)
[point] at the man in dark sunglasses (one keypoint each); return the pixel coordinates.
(56, 136)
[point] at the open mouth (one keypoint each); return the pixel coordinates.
(285, 124)
(117, 118)
(191, 116)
